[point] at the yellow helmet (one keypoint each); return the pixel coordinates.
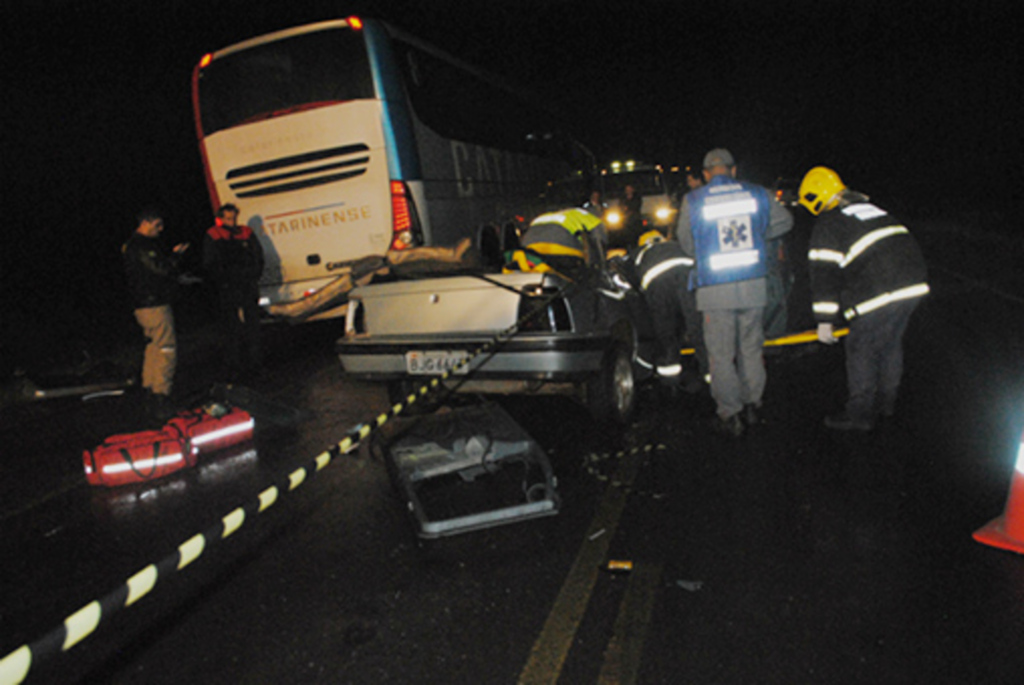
(651, 236)
(819, 191)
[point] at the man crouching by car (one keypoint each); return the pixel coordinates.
(565, 241)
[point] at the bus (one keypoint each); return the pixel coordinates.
(348, 138)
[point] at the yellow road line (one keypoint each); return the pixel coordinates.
(549, 651)
(625, 650)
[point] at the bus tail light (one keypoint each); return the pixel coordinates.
(405, 226)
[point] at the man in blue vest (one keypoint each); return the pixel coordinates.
(725, 226)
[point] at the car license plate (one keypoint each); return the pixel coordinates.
(434, 363)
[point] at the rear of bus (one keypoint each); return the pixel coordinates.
(306, 130)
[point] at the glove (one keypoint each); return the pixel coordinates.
(825, 334)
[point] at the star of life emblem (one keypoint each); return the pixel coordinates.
(734, 233)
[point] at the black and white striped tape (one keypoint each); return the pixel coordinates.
(16, 666)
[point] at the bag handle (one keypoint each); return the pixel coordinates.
(131, 463)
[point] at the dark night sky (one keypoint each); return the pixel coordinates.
(914, 102)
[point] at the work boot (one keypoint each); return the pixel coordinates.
(844, 422)
(731, 427)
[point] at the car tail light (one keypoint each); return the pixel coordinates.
(541, 311)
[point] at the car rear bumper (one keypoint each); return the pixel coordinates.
(548, 359)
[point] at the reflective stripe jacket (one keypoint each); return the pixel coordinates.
(564, 233)
(656, 259)
(860, 260)
(728, 219)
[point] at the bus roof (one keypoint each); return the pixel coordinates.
(278, 35)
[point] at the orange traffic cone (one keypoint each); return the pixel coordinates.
(1007, 531)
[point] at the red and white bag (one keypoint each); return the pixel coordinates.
(212, 427)
(137, 457)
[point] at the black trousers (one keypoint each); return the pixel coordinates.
(240, 328)
(874, 360)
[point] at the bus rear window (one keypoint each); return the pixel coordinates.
(289, 75)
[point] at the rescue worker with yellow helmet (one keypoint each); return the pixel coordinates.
(564, 241)
(866, 267)
(661, 272)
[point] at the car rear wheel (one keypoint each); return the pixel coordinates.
(611, 394)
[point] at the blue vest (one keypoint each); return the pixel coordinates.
(728, 219)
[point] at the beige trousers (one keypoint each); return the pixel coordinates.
(161, 350)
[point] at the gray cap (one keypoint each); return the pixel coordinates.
(718, 157)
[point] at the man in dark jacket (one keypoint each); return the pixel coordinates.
(864, 266)
(662, 273)
(233, 259)
(153, 278)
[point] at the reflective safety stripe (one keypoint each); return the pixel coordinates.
(555, 250)
(716, 210)
(863, 211)
(641, 253)
(223, 433)
(662, 268)
(731, 260)
(670, 370)
(885, 299)
(573, 220)
(870, 239)
(143, 463)
(825, 307)
(614, 294)
(863, 243)
(826, 256)
(552, 218)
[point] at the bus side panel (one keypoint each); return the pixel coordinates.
(468, 185)
(314, 187)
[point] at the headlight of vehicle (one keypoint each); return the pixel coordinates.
(613, 218)
(663, 214)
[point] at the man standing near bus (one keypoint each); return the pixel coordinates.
(152, 274)
(233, 258)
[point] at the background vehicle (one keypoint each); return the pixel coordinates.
(583, 338)
(650, 183)
(786, 191)
(347, 138)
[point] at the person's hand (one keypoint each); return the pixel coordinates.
(180, 247)
(825, 334)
